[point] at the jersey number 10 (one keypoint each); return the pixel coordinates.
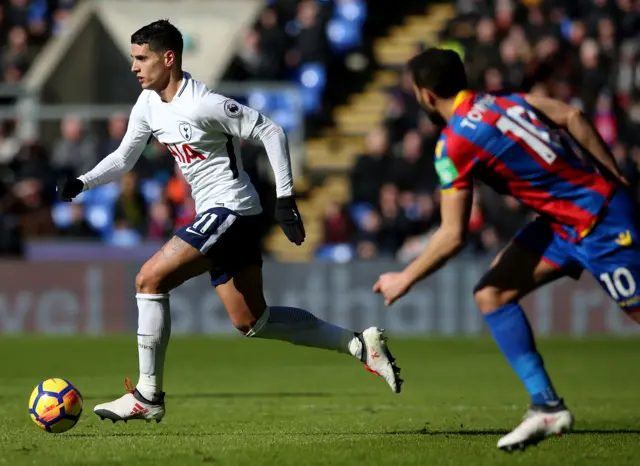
(518, 122)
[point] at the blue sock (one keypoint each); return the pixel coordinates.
(511, 331)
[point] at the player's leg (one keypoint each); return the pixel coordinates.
(237, 276)
(175, 263)
(529, 262)
(243, 299)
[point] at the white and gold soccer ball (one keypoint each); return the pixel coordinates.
(55, 405)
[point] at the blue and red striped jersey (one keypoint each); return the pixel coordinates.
(499, 140)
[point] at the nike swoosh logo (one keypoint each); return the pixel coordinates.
(194, 232)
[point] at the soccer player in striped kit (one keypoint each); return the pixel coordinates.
(526, 146)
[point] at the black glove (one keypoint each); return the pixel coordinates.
(289, 218)
(68, 188)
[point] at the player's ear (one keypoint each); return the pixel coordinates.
(169, 58)
(429, 97)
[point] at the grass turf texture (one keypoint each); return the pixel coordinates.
(250, 402)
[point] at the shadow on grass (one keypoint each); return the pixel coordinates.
(427, 431)
(461, 432)
(195, 396)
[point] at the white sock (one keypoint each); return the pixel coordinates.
(302, 328)
(154, 330)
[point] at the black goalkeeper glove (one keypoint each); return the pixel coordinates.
(68, 188)
(289, 218)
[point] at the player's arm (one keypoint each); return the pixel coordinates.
(580, 128)
(454, 164)
(114, 165)
(448, 240)
(233, 118)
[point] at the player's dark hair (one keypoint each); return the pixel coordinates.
(161, 36)
(439, 70)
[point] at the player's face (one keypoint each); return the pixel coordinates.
(427, 101)
(152, 69)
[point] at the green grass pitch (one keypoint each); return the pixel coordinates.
(233, 401)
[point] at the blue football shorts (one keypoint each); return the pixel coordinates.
(230, 240)
(610, 251)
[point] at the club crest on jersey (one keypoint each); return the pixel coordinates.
(185, 131)
(232, 109)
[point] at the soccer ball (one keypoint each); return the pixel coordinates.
(55, 405)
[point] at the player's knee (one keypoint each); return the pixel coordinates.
(244, 323)
(150, 281)
(489, 298)
(246, 320)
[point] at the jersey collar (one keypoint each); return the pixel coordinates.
(460, 97)
(185, 79)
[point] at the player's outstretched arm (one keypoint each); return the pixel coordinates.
(581, 129)
(276, 144)
(230, 117)
(114, 165)
(446, 242)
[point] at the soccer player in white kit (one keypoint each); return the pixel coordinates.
(201, 129)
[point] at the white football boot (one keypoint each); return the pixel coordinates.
(377, 358)
(539, 423)
(131, 406)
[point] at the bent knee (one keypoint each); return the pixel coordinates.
(150, 281)
(489, 298)
(245, 323)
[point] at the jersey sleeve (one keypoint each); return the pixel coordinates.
(227, 116)
(114, 165)
(454, 163)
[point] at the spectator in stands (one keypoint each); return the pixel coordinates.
(253, 61)
(484, 53)
(410, 169)
(34, 209)
(394, 224)
(403, 111)
(338, 227)
(371, 168)
(273, 44)
(17, 54)
(17, 13)
(130, 209)
(160, 220)
(309, 39)
(79, 227)
(116, 129)
(75, 153)
(594, 75)
(32, 163)
(37, 22)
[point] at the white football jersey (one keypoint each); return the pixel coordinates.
(201, 129)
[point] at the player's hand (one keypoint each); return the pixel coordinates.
(622, 180)
(392, 286)
(289, 218)
(68, 188)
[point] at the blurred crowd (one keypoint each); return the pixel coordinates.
(25, 26)
(296, 41)
(584, 52)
